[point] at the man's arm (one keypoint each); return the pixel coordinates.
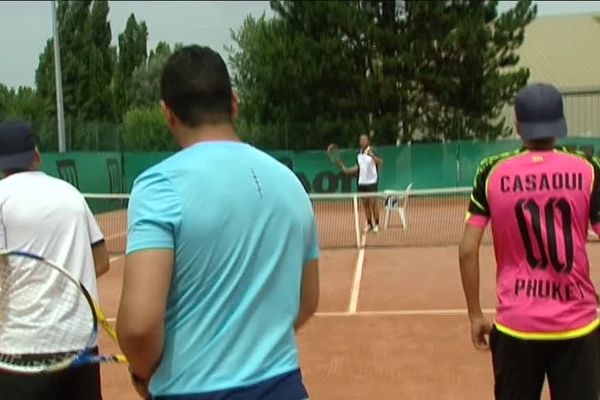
(477, 220)
(309, 296)
(469, 272)
(373, 155)
(153, 218)
(140, 321)
(100, 254)
(595, 197)
(349, 171)
(99, 251)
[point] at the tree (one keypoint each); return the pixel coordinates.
(145, 80)
(298, 83)
(327, 71)
(5, 101)
(87, 61)
(132, 54)
(466, 65)
(24, 104)
(145, 130)
(98, 102)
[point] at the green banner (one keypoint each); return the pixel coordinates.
(425, 165)
(88, 172)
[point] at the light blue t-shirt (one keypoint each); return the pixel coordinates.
(242, 227)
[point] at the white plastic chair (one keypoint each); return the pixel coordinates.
(396, 202)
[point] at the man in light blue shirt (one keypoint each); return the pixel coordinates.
(222, 254)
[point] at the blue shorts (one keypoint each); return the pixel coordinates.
(286, 386)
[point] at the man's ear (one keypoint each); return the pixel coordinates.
(517, 129)
(235, 104)
(170, 118)
(37, 157)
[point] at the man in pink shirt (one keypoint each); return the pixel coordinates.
(540, 201)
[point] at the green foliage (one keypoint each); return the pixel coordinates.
(145, 80)
(132, 54)
(24, 104)
(442, 70)
(466, 65)
(98, 101)
(288, 80)
(144, 129)
(316, 73)
(87, 61)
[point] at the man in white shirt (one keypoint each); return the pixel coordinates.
(46, 216)
(367, 169)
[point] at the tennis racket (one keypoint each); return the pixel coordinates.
(333, 152)
(48, 320)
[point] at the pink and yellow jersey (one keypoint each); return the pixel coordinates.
(540, 204)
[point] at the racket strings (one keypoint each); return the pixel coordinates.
(36, 360)
(44, 316)
(333, 151)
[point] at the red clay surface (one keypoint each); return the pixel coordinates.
(379, 352)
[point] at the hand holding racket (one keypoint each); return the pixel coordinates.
(333, 152)
(48, 320)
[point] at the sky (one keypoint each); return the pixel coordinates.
(26, 25)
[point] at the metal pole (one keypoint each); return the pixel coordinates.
(458, 155)
(60, 112)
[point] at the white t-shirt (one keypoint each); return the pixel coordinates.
(48, 217)
(367, 169)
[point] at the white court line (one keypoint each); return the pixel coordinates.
(116, 235)
(115, 258)
(399, 313)
(360, 261)
(388, 313)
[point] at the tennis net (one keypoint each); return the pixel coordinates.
(420, 218)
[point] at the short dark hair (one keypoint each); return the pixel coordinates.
(195, 85)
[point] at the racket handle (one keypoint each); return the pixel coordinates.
(98, 359)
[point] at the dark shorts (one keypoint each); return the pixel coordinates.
(286, 386)
(76, 383)
(572, 367)
(367, 188)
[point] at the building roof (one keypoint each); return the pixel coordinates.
(563, 50)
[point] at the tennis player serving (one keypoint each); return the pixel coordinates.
(50, 218)
(540, 201)
(222, 254)
(367, 170)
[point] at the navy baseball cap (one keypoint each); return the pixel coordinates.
(17, 145)
(539, 112)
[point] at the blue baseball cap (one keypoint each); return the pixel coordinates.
(539, 112)
(17, 145)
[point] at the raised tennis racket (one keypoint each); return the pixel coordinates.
(48, 320)
(333, 152)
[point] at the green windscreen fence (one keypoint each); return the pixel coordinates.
(425, 165)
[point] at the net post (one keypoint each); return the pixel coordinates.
(356, 220)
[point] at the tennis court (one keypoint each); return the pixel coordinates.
(391, 321)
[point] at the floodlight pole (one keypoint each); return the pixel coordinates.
(60, 112)
(458, 156)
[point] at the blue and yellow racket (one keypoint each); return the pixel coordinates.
(48, 320)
